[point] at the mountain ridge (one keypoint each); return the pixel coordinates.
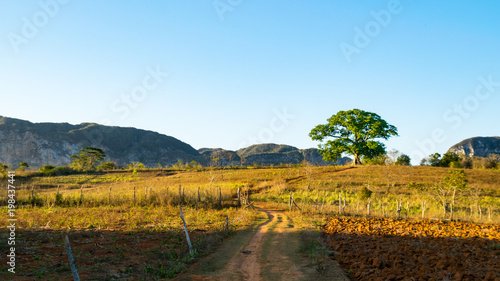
(477, 146)
(48, 143)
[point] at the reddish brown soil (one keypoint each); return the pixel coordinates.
(387, 249)
(104, 254)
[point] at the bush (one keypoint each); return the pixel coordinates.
(365, 194)
(106, 166)
(49, 170)
(403, 160)
(377, 160)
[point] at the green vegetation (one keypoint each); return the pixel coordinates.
(87, 158)
(353, 132)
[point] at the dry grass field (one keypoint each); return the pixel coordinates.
(126, 225)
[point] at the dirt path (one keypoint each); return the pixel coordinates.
(271, 251)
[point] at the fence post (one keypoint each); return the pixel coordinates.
(81, 194)
(134, 195)
(398, 208)
(227, 223)
(489, 213)
(220, 196)
(145, 193)
(340, 203)
(109, 196)
(368, 206)
(199, 197)
(76, 277)
(239, 197)
(423, 209)
(187, 235)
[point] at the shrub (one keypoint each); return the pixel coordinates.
(403, 160)
(365, 193)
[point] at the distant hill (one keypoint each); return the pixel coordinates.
(268, 154)
(477, 146)
(41, 144)
(53, 143)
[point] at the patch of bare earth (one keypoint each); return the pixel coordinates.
(270, 252)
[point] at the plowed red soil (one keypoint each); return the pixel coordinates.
(388, 249)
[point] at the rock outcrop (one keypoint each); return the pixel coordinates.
(477, 146)
(53, 143)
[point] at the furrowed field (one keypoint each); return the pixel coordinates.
(125, 225)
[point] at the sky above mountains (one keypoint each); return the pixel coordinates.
(231, 73)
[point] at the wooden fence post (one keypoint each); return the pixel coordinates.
(239, 197)
(340, 203)
(81, 194)
(109, 196)
(134, 195)
(220, 196)
(369, 205)
(398, 208)
(76, 277)
(187, 235)
(423, 209)
(199, 196)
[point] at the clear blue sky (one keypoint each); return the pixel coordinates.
(231, 73)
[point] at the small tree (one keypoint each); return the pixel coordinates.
(136, 165)
(403, 160)
(106, 166)
(452, 188)
(353, 132)
(23, 166)
(364, 194)
(87, 158)
(449, 159)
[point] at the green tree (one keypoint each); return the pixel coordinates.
(106, 166)
(87, 158)
(23, 166)
(136, 165)
(352, 132)
(381, 160)
(403, 160)
(434, 160)
(449, 159)
(453, 186)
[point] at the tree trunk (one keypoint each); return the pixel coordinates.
(356, 160)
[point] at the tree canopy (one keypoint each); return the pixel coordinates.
(352, 132)
(87, 158)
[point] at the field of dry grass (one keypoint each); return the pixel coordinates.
(116, 203)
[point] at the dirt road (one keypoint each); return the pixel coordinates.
(270, 251)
